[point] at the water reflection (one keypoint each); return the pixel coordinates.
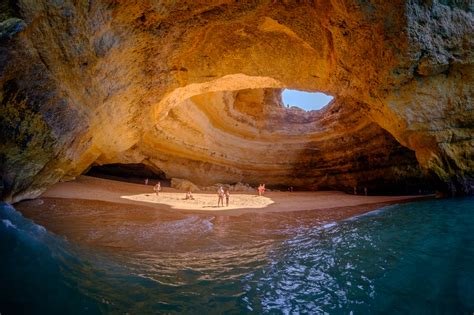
(409, 258)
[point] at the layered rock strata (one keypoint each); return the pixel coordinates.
(193, 88)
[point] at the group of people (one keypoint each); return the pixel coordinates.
(221, 193)
(157, 189)
(189, 195)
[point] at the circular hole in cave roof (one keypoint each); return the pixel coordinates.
(305, 100)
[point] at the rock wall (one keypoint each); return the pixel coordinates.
(249, 136)
(193, 89)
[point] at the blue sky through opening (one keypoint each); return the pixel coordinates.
(305, 100)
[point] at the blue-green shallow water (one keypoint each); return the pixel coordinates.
(415, 258)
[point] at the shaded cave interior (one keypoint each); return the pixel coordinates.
(132, 173)
(250, 136)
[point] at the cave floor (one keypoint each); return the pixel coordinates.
(115, 215)
(92, 188)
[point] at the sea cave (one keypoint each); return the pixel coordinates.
(342, 132)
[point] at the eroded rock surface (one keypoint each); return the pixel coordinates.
(193, 90)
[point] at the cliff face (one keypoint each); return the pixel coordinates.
(194, 90)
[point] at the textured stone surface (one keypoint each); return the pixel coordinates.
(193, 90)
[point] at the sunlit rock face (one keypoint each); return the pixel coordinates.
(249, 136)
(194, 90)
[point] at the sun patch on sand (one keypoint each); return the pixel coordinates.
(202, 201)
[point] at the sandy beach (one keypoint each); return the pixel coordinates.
(97, 211)
(92, 188)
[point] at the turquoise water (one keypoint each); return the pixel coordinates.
(415, 258)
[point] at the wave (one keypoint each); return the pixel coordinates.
(371, 213)
(9, 224)
(31, 269)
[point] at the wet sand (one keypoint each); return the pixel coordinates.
(126, 227)
(129, 217)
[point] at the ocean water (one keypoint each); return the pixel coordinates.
(414, 258)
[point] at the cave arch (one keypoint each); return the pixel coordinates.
(106, 82)
(245, 134)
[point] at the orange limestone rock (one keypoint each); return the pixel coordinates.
(194, 90)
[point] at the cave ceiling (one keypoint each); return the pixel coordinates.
(194, 90)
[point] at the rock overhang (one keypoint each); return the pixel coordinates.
(122, 68)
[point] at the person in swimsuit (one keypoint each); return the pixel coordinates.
(227, 196)
(220, 195)
(157, 188)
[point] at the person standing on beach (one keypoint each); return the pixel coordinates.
(227, 196)
(157, 188)
(260, 189)
(220, 195)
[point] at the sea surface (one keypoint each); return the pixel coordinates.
(413, 258)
